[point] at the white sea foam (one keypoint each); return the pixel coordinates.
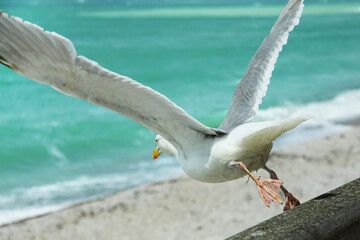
(342, 107)
(226, 12)
(8, 216)
(57, 153)
(28, 202)
(326, 117)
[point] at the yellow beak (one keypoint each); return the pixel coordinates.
(156, 153)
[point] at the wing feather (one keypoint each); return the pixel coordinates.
(252, 87)
(51, 59)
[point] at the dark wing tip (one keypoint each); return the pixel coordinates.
(3, 60)
(6, 63)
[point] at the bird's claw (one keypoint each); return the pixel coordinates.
(290, 201)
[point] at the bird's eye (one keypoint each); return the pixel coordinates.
(156, 140)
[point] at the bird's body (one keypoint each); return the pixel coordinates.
(250, 143)
(204, 153)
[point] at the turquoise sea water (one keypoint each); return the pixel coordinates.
(56, 150)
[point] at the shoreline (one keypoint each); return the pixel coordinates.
(181, 208)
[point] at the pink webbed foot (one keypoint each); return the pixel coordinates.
(269, 189)
(290, 200)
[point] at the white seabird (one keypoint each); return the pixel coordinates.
(213, 155)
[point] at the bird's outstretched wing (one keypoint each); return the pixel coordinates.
(252, 87)
(51, 59)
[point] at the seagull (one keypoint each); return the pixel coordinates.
(233, 150)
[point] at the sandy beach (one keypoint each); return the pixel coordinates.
(183, 208)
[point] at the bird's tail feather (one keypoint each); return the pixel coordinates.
(266, 135)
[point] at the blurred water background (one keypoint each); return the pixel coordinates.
(56, 150)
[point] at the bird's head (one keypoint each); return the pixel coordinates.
(163, 146)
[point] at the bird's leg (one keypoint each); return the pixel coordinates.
(290, 200)
(269, 189)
